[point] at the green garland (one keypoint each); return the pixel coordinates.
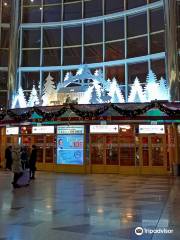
(86, 112)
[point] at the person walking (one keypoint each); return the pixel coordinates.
(24, 157)
(32, 162)
(16, 166)
(8, 157)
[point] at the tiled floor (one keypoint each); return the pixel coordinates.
(89, 207)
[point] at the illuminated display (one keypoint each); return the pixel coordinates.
(148, 129)
(43, 129)
(104, 129)
(12, 130)
(73, 129)
(70, 149)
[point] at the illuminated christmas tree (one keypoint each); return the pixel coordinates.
(152, 87)
(115, 92)
(136, 93)
(19, 100)
(33, 99)
(49, 91)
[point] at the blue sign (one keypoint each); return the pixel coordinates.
(70, 149)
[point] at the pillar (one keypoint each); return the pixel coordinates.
(13, 49)
(171, 49)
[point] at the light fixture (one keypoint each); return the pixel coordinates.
(5, 4)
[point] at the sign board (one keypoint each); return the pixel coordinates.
(73, 129)
(43, 129)
(70, 149)
(151, 129)
(12, 130)
(103, 128)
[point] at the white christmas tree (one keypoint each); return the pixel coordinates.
(33, 99)
(152, 87)
(68, 76)
(115, 90)
(49, 91)
(136, 93)
(163, 90)
(94, 98)
(19, 100)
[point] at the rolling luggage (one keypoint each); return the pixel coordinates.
(24, 179)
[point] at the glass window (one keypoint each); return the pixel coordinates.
(93, 53)
(52, 57)
(135, 3)
(3, 99)
(137, 25)
(72, 36)
(158, 67)
(114, 30)
(29, 79)
(4, 43)
(52, 13)
(32, 14)
(112, 6)
(6, 11)
(32, 2)
(3, 80)
(139, 70)
(72, 56)
(117, 72)
(157, 19)
(52, 1)
(3, 58)
(137, 47)
(31, 38)
(31, 58)
(73, 11)
(52, 37)
(97, 36)
(114, 51)
(157, 43)
(92, 8)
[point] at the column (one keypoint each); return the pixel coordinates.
(13, 50)
(171, 49)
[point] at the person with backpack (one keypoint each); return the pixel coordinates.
(16, 166)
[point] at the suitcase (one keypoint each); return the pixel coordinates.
(24, 179)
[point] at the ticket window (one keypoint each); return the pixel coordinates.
(97, 149)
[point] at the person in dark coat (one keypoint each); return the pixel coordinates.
(8, 157)
(24, 158)
(32, 162)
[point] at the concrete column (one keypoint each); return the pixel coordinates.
(13, 49)
(171, 49)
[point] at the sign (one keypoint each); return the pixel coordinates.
(103, 128)
(70, 149)
(150, 129)
(73, 129)
(43, 129)
(12, 130)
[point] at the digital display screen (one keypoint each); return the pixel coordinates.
(70, 149)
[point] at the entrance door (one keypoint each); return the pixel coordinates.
(153, 154)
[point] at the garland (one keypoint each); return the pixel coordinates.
(51, 115)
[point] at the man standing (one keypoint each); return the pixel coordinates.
(8, 157)
(32, 162)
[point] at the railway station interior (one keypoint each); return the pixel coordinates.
(94, 85)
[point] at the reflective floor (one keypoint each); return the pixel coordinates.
(84, 207)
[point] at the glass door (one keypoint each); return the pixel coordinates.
(112, 150)
(97, 149)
